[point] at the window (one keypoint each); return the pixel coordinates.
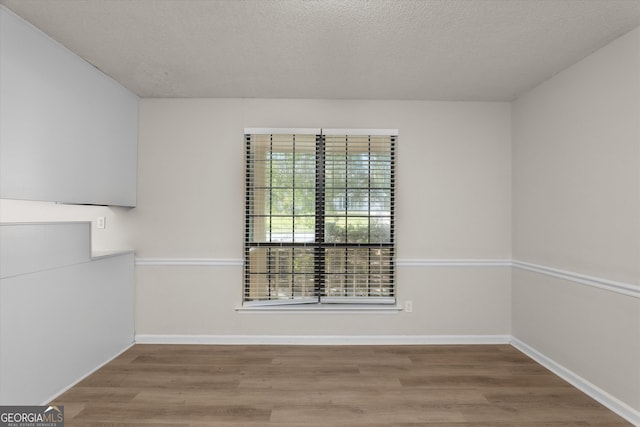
(319, 218)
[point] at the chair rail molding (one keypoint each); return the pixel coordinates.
(628, 289)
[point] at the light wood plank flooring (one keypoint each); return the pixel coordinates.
(356, 386)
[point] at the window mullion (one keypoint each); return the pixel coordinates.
(293, 215)
(369, 172)
(270, 186)
(392, 208)
(249, 215)
(319, 257)
(272, 277)
(346, 189)
(293, 188)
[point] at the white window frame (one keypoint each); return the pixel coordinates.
(319, 298)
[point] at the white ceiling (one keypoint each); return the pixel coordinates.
(357, 49)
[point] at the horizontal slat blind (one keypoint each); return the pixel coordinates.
(319, 219)
(280, 218)
(358, 217)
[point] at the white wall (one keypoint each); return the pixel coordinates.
(62, 313)
(453, 202)
(68, 133)
(576, 207)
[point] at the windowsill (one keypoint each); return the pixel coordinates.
(324, 308)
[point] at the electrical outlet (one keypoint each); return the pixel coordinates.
(408, 306)
(101, 223)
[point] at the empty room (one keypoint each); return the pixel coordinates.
(320, 212)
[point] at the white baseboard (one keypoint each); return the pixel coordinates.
(59, 393)
(606, 399)
(323, 339)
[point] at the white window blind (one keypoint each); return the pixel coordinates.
(319, 216)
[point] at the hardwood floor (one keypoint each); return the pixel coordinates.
(480, 385)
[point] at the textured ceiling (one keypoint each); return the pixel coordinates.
(378, 49)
